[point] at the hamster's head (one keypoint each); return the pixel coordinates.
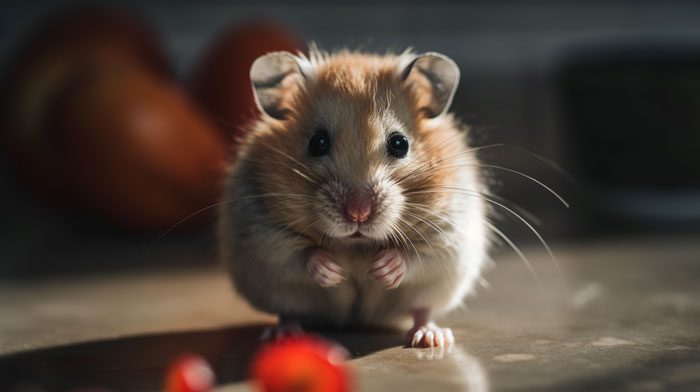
(350, 146)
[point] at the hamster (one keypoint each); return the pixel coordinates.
(354, 198)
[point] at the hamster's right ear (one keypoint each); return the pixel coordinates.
(271, 76)
(440, 73)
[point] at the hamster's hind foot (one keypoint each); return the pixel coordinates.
(431, 335)
(426, 333)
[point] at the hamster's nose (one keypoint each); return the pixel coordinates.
(358, 207)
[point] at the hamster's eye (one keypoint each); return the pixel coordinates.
(397, 146)
(320, 144)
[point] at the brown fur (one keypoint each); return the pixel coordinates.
(364, 85)
(285, 207)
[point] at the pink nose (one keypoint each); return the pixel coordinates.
(358, 208)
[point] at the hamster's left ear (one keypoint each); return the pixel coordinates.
(438, 72)
(271, 76)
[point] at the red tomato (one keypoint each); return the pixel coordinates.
(301, 364)
(190, 373)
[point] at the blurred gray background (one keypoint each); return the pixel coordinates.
(590, 86)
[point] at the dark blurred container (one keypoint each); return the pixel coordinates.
(632, 114)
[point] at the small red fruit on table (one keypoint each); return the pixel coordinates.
(301, 364)
(190, 373)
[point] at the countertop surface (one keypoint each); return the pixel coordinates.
(621, 315)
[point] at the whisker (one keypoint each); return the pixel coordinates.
(303, 231)
(313, 182)
(421, 235)
(432, 169)
(400, 236)
(439, 260)
(227, 124)
(443, 159)
(291, 158)
(504, 237)
(550, 163)
(207, 208)
(395, 240)
(517, 250)
(540, 183)
(279, 232)
(177, 224)
(409, 242)
(534, 219)
(427, 222)
(280, 166)
(481, 196)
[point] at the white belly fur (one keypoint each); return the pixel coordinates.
(439, 283)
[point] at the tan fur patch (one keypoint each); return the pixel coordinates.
(354, 96)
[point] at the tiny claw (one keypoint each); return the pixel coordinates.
(439, 340)
(430, 338)
(417, 337)
(430, 335)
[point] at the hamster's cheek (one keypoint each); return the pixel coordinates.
(327, 213)
(328, 219)
(390, 205)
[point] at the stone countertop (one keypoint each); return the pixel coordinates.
(621, 315)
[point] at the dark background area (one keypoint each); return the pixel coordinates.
(608, 92)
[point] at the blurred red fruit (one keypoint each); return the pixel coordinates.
(62, 50)
(137, 149)
(221, 81)
(93, 120)
(190, 373)
(301, 364)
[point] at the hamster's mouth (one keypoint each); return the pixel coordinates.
(356, 234)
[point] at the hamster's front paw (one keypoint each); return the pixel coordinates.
(324, 270)
(388, 267)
